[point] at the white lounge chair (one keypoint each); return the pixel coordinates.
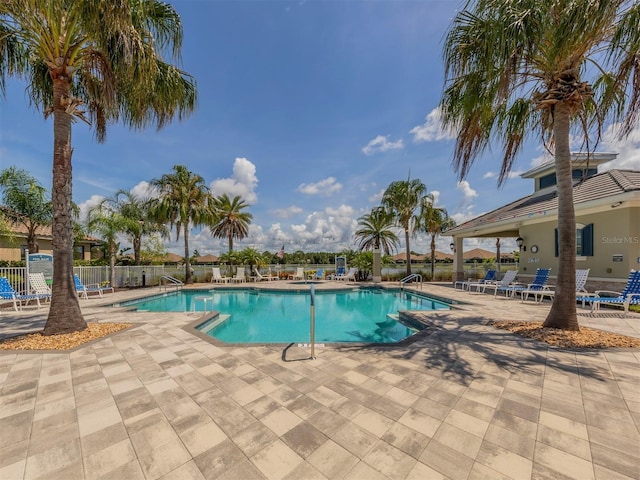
(239, 276)
(507, 280)
(38, 285)
(299, 275)
(84, 290)
(350, 275)
(262, 278)
(491, 276)
(7, 292)
(629, 296)
(581, 280)
(217, 277)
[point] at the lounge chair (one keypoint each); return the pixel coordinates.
(629, 296)
(319, 275)
(491, 276)
(506, 281)
(350, 275)
(299, 275)
(84, 290)
(39, 286)
(217, 276)
(539, 283)
(239, 276)
(262, 278)
(7, 292)
(581, 280)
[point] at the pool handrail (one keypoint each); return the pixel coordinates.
(173, 282)
(413, 276)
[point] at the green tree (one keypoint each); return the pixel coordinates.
(25, 202)
(433, 221)
(518, 67)
(375, 231)
(232, 221)
(402, 198)
(184, 200)
(99, 62)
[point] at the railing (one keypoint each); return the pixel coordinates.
(171, 282)
(411, 278)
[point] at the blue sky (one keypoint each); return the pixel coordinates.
(308, 110)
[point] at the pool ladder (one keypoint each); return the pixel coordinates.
(171, 282)
(412, 277)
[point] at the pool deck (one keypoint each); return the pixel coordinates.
(466, 401)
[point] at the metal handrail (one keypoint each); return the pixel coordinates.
(413, 276)
(173, 281)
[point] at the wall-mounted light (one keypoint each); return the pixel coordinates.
(520, 242)
(617, 204)
(453, 247)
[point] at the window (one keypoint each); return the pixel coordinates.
(78, 252)
(584, 240)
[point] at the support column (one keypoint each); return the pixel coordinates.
(458, 260)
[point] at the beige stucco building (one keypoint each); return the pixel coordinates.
(607, 209)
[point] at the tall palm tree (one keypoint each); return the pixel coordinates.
(515, 67)
(433, 221)
(99, 62)
(183, 201)
(376, 231)
(401, 199)
(26, 202)
(232, 221)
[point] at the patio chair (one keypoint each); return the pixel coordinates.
(39, 286)
(239, 276)
(539, 283)
(491, 276)
(319, 275)
(581, 280)
(7, 292)
(629, 296)
(217, 276)
(84, 290)
(507, 280)
(350, 275)
(262, 278)
(299, 275)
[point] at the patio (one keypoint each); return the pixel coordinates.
(466, 401)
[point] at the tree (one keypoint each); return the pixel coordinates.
(99, 62)
(232, 221)
(516, 67)
(401, 199)
(26, 202)
(375, 232)
(433, 221)
(183, 200)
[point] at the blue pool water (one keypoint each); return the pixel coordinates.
(260, 316)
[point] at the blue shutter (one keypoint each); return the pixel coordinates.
(555, 239)
(587, 240)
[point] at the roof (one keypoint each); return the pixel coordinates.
(44, 232)
(600, 186)
(207, 259)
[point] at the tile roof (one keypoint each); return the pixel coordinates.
(601, 185)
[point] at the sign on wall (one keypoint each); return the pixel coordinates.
(41, 262)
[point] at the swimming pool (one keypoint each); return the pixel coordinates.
(264, 316)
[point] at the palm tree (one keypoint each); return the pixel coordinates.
(401, 199)
(232, 221)
(183, 201)
(375, 232)
(99, 62)
(433, 221)
(25, 202)
(514, 67)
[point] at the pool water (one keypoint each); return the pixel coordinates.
(260, 316)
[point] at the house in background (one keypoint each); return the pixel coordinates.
(13, 248)
(607, 209)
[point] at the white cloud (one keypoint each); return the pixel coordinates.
(376, 197)
(243, 182)
(431, 129)
(436, 197)
(468, 192)
(489, 175)
(286, 212)
(628, 149)
(144, 190)
(326, 187)
(381, 144)
(88, 205)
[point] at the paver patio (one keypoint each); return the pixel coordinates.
(465, 401)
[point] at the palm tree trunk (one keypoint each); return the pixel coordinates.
(112, 262)
(187, 260)
(433, 257)
(65, 315)
(563, 311)
(137, 242)
(406, 239)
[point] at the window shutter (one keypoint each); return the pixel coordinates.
(587, 240)
(555, 239)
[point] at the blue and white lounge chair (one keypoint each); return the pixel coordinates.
(629, 296)
(538, 284)
(507, 280)
(319, 275)
(7, 292)
(84, 290)
(581, 280)
(491, 276)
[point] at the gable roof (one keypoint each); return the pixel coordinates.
(44, 232)
(601, 186)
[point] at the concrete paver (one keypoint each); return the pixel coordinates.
(464, 401)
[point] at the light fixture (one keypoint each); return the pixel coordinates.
(617, 204)
(453, 246)
(520, 242)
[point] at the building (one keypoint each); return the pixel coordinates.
(607, 209)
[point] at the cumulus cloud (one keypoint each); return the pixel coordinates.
(489, 175)
(286, 212)
(468, 192)
(242, 182)
(144, 190)
(628, 149)
(381, 144)
(376, 197)
(87, 205)
(432, 130)
(326, 187)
